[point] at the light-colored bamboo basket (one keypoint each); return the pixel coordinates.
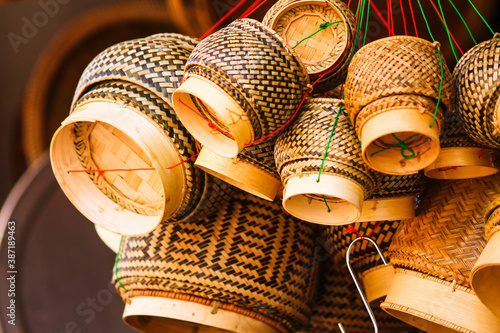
(484, 275)
(394, 198)
(477, 83)
(321, 50)
(241, 84)
(119, 125)
(365, 260)
(392, 87)
(111, 239)
(434, 253)
(253, 170)
(247, 268)
(345, 181)
(460, 157)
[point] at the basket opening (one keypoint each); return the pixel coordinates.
(486, 286)
(418, 322)
(153, 324)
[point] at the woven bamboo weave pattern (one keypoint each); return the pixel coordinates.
(295, 21)
(492, 218)
(394, 66)
(155, 64)
(249, 254)
(203, 192)
(339, 302)
(447, 237)
(393, 186)
(302, 145)
(256, 64)
(454, 134)
(477, 95)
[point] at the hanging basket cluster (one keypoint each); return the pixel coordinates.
(224, 173)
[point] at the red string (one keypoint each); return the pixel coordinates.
(380, 16)
(253, 10)
(413, 18)
(351, 229)
(404, 16)
(448, 169)
(349, 3)
(391, 17)
(222, 19)
(335, 262)
(378, 225)
(481, 153)
(341, 91)
(442, 20)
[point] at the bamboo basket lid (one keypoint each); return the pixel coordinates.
(111, 239)
(241, 84)
(484, 275)
(477, 92)
(460, 157)
(394, 198)
(253, 170)
(119, 125)
(320, 49)
(249, 259)
(434, 254)
(345, 180)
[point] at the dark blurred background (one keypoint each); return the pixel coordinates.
(44, 47)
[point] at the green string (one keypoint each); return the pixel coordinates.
(116, 264)
(402, 145)
(326, 203)
(328, 144)
(425, 19)
(322, 27)
(463, 20)
(481, 16)
(448, 31)
(440, 87)
(366, 25)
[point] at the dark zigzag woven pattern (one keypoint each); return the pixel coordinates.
(155, 64)
(477, 91)
(255, 62)
(335, 75)
(364, 255)
(250, 253)
(394, 186)
(339, 302)
(454, 134)
(447, 236)
(260, 153)
(303, 143)
(203, 192)
(396, 65)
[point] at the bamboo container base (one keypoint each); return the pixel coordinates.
(464, 163)
(119, 210)
(377, 134)
(305, 198)
(197, 101)
(158, 315)
(239, 173)
(111, 239)
(388, 209)
(377, 282)
(436, 306)
(485, 275)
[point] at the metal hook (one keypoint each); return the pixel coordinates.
(365, 302)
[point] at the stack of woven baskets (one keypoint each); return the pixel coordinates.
(178, 150)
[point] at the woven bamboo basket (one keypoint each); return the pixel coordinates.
(484, 275)
(478, 104)
(434, 254)
(392, 87)
(322, 50)
(460, 157)
(338, 301)
(247, 268)
(241, 84)
(394, 198)
(253, 170)
(376, 276)
(122, 127)
(345, 180)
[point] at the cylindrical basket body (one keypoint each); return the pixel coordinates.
(241, 84)
(325, 179)
(247, 268)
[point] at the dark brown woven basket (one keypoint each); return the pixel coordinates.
(258, 82)
(328, 50)
(345, 179)
(435, 252)
(477, 97)
(250, 256)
